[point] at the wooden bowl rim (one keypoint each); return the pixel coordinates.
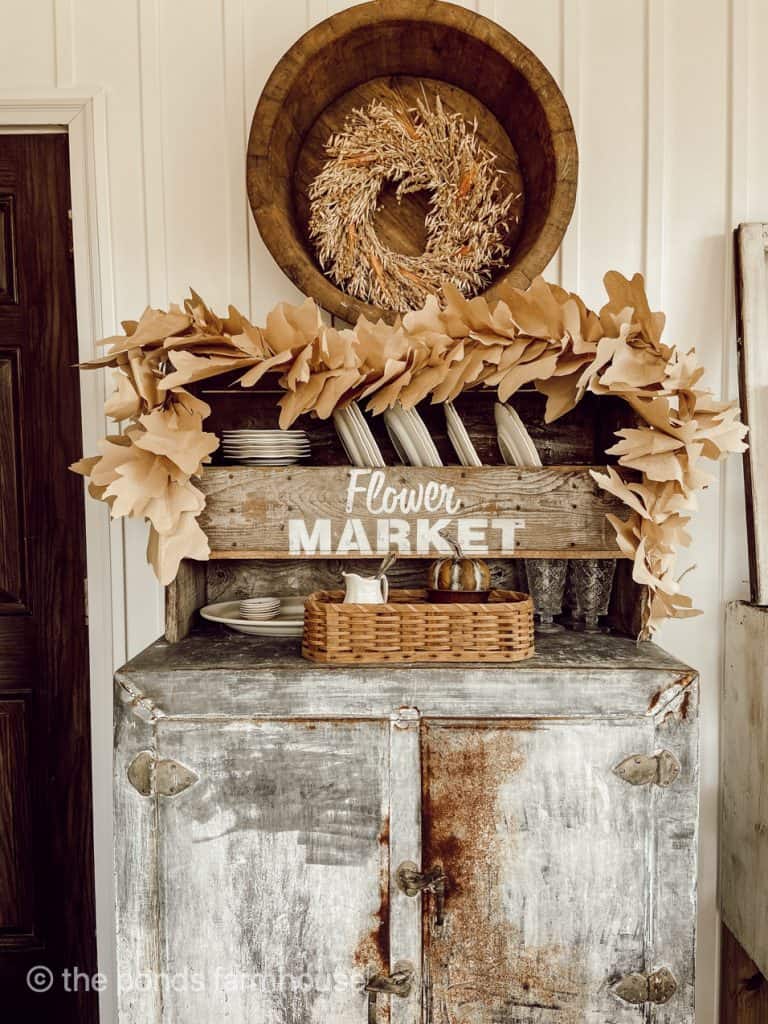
(292, 256)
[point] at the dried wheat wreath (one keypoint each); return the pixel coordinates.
(416, 149)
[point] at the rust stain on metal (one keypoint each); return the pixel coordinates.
(372, 951)
(480, 970)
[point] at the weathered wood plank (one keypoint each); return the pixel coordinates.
(744, 795)
(250, 511)
(273, 870)
(743, 989)
(752, 302)
(183, 597)
(136, 869)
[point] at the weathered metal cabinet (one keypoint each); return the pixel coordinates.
(437, 844)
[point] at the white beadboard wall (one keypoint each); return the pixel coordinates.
(667, 97)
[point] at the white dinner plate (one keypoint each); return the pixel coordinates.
(365, 439)
(289, 621)
(341, 422)
(515, 443)
(459, 438)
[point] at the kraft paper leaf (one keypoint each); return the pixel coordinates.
(165, 551)
(190, 368)
(124, 403)
(176, 434)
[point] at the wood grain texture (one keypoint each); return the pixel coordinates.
(247, 509)
(183, 597)
(425, 40)
(743, 989)
(12, 582)
(581, 437)
(8, 272)
(16, 912)
(752, 306)
(744, 781)
(44, 645)
(281, 848)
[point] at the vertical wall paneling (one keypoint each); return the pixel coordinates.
(655, 144)
(540, 27)
(194, 148)
(233, 34)
(263, 48)
(611, 132)
(696, 165)
(571, 84)
(65, 42)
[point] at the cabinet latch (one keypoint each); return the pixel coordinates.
(397, 983)
(658, 987)
(660, 769)
(411, 881)
(149, 775)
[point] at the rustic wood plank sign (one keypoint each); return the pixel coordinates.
(752, 298)
(346, 512)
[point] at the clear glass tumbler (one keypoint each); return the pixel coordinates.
(592, 586)
(546, 585)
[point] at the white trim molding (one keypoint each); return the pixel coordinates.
(82, 114)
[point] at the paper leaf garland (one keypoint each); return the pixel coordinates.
(545, 336)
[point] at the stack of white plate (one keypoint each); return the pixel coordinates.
(459, 438)
(265, 447)
(356, 437)
(288, 622)
(259, 608)
(410, 437)
(515, 443)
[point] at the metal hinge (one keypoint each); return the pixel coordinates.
(150, 776)
(659, 769)
(657, 988)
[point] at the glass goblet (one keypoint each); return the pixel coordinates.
(592, 585)
(546, 585)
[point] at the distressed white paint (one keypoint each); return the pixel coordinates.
(744, 799)
(562, 878)
(685, 111)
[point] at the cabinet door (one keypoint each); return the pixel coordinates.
(272, 871)
(548, 856)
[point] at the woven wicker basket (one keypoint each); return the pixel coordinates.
(409, 629)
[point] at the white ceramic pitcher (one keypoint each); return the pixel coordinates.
(365, 589)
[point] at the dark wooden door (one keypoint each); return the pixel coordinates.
(46, 861)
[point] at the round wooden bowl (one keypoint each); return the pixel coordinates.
(376, 48)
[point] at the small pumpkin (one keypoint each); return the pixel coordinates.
(458, 572)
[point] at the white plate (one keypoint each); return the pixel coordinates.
(292, 434)
(260, 462)
(410, 437)
(287, 622)
(351, 445)
(459, 438)
(272, 450)
(365, 436)
(515, 443)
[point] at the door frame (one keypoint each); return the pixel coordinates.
(82, 114)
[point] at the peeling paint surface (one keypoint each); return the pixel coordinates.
(272, 871)
(547, 866)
